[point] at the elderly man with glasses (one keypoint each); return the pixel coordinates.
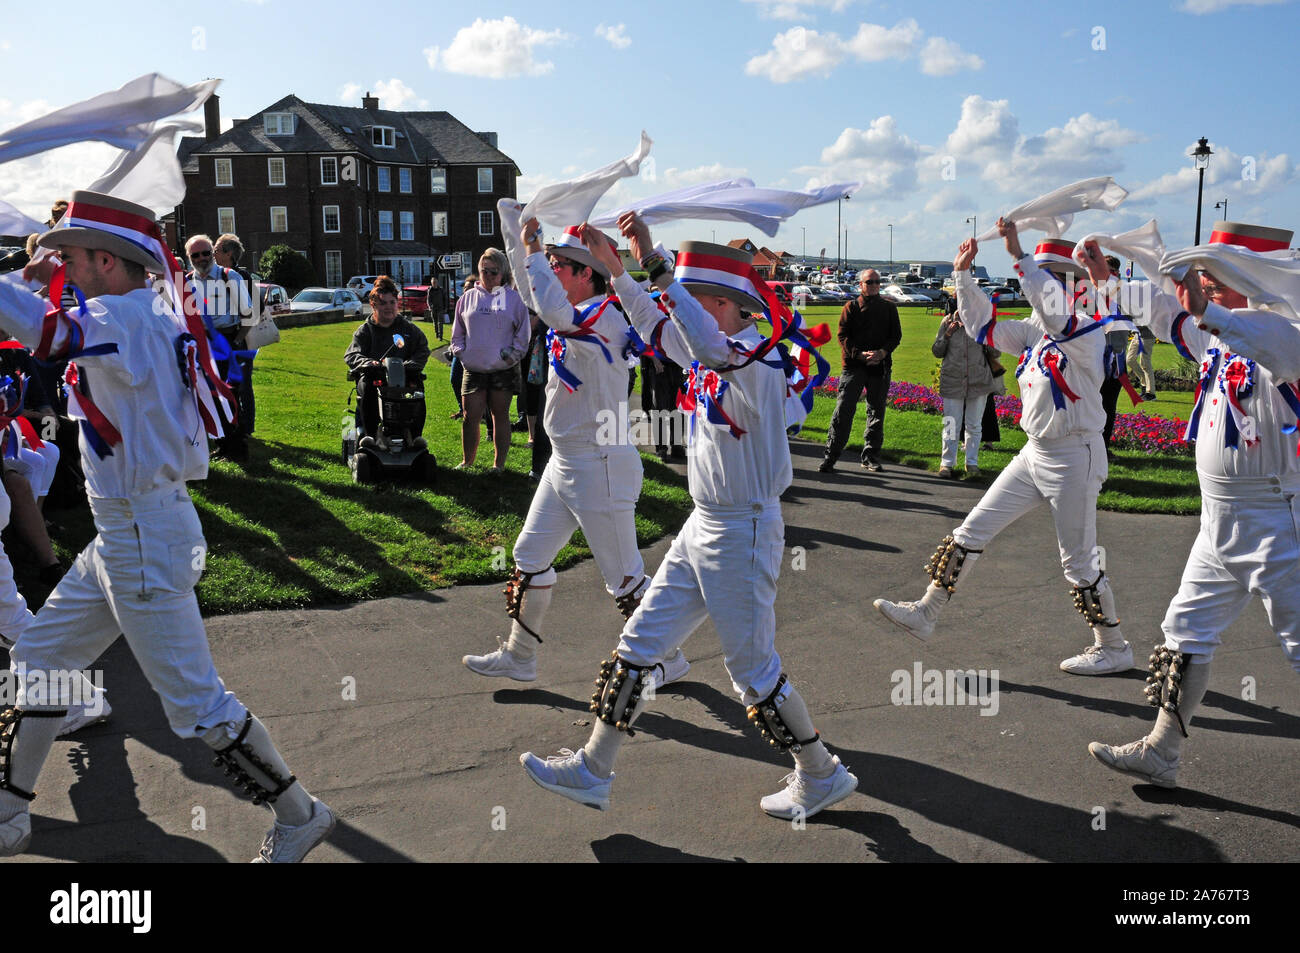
(869, 333)
(222, 296)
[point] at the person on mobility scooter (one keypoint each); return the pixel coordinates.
(386, 359)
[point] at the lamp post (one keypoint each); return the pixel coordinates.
(973, 222)
(1201, 156)
(1223, 205)
(839, 224)
(891, 247)
(804, 228)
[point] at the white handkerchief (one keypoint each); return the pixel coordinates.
(1052, 213)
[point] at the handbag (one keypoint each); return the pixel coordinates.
(997, 370)
(261, 334)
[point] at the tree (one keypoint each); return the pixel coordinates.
(281, 265)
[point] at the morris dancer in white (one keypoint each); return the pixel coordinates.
(723, 564)
(1244, 424)
(141, 440)
(1064, 463)
(589, 483)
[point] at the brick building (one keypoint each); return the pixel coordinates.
(358, 190)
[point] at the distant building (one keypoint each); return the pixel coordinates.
(358, 190)
(770, 265)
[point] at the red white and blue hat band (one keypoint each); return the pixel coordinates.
(1257, 238)
(1056, 251)
(704, 269)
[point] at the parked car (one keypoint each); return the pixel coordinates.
(414, 300)
(1006, 295)
(361, 284)
(901, 294)
(272, 299)
(933, 294)
(320, 299)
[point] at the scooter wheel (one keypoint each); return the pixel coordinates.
(426, 468)
(366, 469)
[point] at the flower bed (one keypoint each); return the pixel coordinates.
(1139, 431)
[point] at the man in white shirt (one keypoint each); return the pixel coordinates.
(723, 564)
(1244, 424)
(141, 441)
(1061, 347)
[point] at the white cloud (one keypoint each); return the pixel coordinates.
(392, 94)
(881, 157)
(798, 53)
(873, 43)
(942, 57)
(948, 200)
(1228, 171)
(1198, 7)
(797, 9)
(32, 184)
(615, 36)
(680, 178)
(496, 49)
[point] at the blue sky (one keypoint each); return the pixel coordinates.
(944, 110)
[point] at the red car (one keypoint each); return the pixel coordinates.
(414, 300)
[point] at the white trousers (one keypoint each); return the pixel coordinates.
(723, 565)
(1246, 548)
(14, 616)
(1066, 473)
(955, 412)
(137, 578)
(37, 467)
(593, 490)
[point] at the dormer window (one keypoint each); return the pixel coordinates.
(278, 124)
(383, 137)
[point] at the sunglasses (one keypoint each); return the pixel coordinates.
(200, 254)
(872, 281)
(489, 271)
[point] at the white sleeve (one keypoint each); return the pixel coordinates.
(699, 332)
(1268, 337)
(1046, 295)
(646, 318)
(553, 305)
(22, 311)
(976, 313)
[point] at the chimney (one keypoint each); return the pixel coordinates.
(212, 117)
(370, 102)
(489, 137)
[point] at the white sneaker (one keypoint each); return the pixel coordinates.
(805, 795)
(567, 775)
(909, 616)
(1140, 759)
(1099, 660)
(673, 669)
(501, 664)
(15, 834)
(289, 845)
(80, 716)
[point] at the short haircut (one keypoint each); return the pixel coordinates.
(194, 240)
(598, 284)
(863, 273)
(1112, 262)
(231, 245)
(384, 285)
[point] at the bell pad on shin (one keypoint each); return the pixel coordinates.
(9, 720)
(1087, 600)
(1164, 683)
(238, 758)
(628, 602)
(945, 565)
(766, 716)
(617, 699)
(516, 586)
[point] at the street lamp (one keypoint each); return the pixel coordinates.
(804, 228)
(839, 224)
(973, 222)
(891, 246)
(1201, 156)
(1223, 205)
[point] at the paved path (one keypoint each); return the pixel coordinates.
(421, 761)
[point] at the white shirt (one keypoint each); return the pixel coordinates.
(1080, 361)
(1273, 342)
(722, 469)
(221, 297)
(138, 388)
(574, 417)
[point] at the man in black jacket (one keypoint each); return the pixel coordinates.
(869, 333)
(373, 341)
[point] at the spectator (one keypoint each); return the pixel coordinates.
(437, 302)
(457, 368)
(1139, 356)
(490, 336)
(227, 251)
(965, 381)
(1115, 368)
(869, 333)
(371, 343)
(222, 301)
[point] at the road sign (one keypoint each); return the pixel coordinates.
(449, 262)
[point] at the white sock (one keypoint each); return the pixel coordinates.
(933, 601)
(1167, 737)
(813, 759)
(536, 601)
(293, 807)
(1109, 636)
(602, 748)
(33, 738)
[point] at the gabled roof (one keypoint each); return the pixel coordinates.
(422, 137)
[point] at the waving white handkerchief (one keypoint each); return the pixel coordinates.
(729, 200)
(150, 174)
(1142, 245)
(122, 118)
(14, 222)
(1052, 213)
(1268, 279)
(570, 203)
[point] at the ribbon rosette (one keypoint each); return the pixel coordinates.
(1052, 363)
(708, 389)
(1237, 382)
